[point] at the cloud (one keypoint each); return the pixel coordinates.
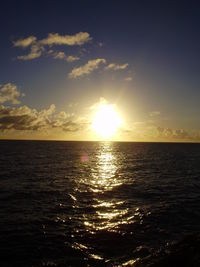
(9, 93)
(178, 134)
(25, 118)
(128, 79)
(147, 131)
(86, 69)
(37, 47)
(23, 43)
(35, 52)
(67, 126)
(22, 118)
(61, 55)
(114, 66)
(154, 113)
(72, 58)
(57, 39)
(102, 101)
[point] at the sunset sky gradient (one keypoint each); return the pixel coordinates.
(61, 59)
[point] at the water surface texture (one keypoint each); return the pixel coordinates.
(95, 203)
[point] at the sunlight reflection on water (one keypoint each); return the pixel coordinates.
(95, 203)
(98, 194)
(109, 211)
(104, 175)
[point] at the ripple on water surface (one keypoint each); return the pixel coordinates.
(97, 204)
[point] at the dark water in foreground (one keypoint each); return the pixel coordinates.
(98, 204)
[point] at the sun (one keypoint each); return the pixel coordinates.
(106, 121)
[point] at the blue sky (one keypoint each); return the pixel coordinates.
(143, 56)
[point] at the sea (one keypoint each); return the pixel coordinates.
(99, 204)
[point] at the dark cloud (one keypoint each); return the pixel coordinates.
(27, 119)
(177, 134)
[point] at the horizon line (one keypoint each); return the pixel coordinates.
(110, 141)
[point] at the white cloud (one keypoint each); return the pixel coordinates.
(61, 55)
(23, 43)
(37, 47)
(57, 39)
(86, 69)
(72, 58)
(114, 66)
(9, 93)
(47, 112)
(35, 52)
(102, 101)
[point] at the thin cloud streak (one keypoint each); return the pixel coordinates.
(62, 56)
(86, 69)
(57, 39)
(25, 42)
(114, 66)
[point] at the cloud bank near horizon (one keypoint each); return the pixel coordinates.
(22, 118)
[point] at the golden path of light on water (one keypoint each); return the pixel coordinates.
(104, 177)
(110, 212)
(104, 203)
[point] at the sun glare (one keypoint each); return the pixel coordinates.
(106, 121)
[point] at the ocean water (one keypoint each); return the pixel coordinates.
(99, 204)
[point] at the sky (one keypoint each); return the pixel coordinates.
(62, 60)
